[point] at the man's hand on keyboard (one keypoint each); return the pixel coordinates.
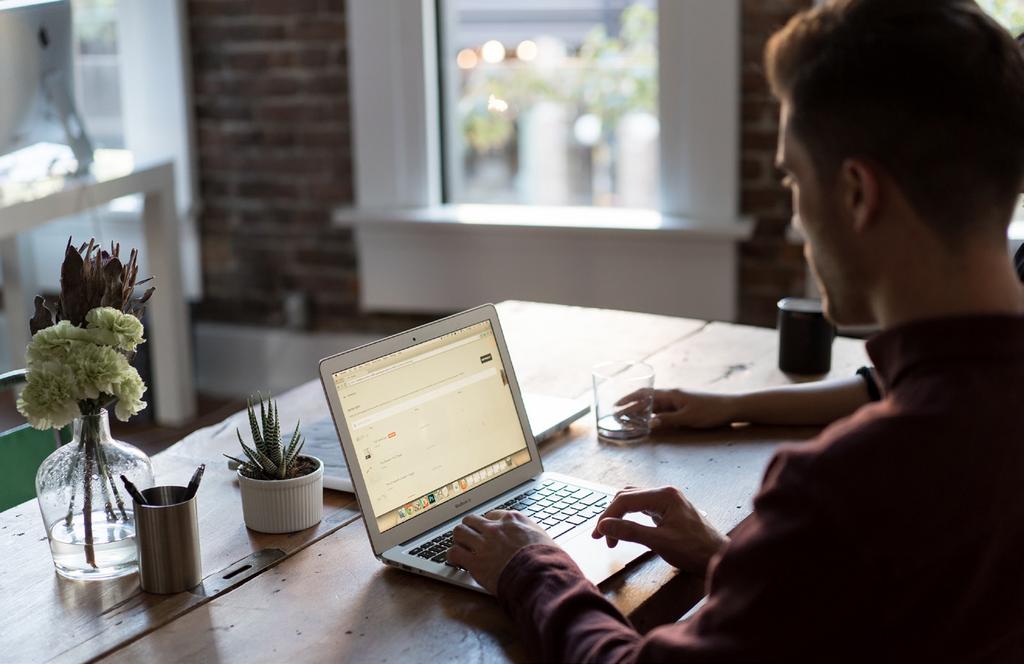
(681, 535)
(483, 545)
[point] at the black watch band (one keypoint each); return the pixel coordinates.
(868, 375)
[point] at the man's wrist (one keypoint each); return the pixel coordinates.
(519, 570)
(736, 407)
(714, 547)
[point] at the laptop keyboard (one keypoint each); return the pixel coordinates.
(556, 506)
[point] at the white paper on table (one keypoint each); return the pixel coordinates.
(322, 442)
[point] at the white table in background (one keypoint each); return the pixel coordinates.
(25, 206)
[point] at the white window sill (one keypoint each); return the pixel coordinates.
(446, 258)
(600, 221)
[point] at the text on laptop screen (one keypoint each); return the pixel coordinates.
(430, 422)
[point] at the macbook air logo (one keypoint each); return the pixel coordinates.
(464, 502)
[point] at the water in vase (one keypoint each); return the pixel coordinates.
(113, 547)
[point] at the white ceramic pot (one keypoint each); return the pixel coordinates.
(283, 506)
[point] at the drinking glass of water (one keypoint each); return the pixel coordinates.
(623, 399)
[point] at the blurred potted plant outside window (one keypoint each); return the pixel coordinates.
(556, 119)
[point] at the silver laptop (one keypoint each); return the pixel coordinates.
(433, 427)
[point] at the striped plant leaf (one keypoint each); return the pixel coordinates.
(257, 437)
(295, 453)
(263, 415)
(246, 467)
(240, 462)
(259, 458)
(294, 439)
(269, 457)
(293, 447)
(273, 436)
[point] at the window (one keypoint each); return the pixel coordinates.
(686, 243)
(550, 102)
(1010, 14)
(503, 113)
(97, 84)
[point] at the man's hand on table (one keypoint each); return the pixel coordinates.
(678, 409)
(681, 535)
(484, 545)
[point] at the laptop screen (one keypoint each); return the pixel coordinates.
(431, 422)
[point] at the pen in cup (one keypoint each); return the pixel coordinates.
(132, 491)
(193, 484)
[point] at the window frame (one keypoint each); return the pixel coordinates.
(156, 91)
(396, 106)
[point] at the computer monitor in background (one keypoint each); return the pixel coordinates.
(36, 100)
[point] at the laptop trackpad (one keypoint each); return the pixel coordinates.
(597, 561)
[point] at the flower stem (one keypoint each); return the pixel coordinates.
(101, 462)
(105, 477)
(90, 453)
(68, 482)
(108, 508)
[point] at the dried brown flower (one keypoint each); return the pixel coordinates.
(92, 277)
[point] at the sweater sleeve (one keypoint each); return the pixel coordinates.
(768, 588)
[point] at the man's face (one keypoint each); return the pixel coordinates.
(831, 248)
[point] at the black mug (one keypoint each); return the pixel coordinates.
(805, 337)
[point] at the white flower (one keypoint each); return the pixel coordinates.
(129, 393)
(97, 369)
(50, 399)
(125, 328)
(69, 364)
(54, 343)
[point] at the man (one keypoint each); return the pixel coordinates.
(897, 534)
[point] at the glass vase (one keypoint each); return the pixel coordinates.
(86, 509)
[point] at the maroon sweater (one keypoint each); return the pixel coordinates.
(896, 535)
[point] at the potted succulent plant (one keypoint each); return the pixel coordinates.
(282, 490)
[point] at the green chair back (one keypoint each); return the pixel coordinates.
(22, 449)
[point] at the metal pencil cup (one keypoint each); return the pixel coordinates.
(167, 538)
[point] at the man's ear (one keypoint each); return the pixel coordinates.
(860, 193)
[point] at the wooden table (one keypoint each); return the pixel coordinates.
(321, 595)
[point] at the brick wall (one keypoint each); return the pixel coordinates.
(770, 267)
(271, 101)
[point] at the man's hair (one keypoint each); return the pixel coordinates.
(931, 91)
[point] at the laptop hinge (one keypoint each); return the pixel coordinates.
(518, 486)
